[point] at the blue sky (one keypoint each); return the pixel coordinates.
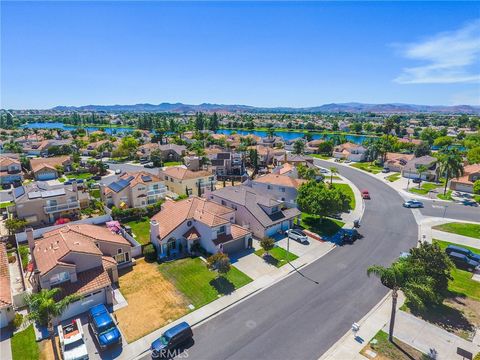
(262, 54)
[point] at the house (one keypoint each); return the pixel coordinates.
(145, 150)
(10, 170)
(182, 226)
(396, 161)
(312, 146)
(80, 259)
(410, 170)
(96, 146)
(133, 190)
(293, 159)
(261, 213)
(41, 204)
(185, 182)
(46, 168)
(228, 165)
(266, 154)
(290, 144)
(172, 152)
(36, 148)
(350, 151)
(471, 173)
(7, 312)
(193, 162)
(282, 187)
(271, 141)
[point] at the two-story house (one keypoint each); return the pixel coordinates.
(181, 226)
(282, 187)
(80, 259)
(471, 173)
(185, 182)
(350, 151)
(397, 161)
(47, 168)
(228, 165)
(133, 190)
(410, 170)
(261, 213)
(10, 170)
(41, 204)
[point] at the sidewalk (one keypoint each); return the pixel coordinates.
(5, 347)
(426, 233)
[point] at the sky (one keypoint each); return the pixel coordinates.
(252, 53)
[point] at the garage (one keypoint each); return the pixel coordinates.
(84, 304)
(46, 175)
(272, 231)
(234, 246)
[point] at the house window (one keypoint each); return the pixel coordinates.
(269, 187)
(274, 209)
(221, 230)
(119, 251)
(283, 189)
(224, 203)
(59, 278)
(171, 245)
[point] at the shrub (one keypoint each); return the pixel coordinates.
(17, 321)
(267, 244)
(126, 215)
(24, 251)
(12, 259)
(219, 262)
(150, 252)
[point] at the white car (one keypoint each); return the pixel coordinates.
(297, 235)
(413, 204)
(72, 341)
(118, 172)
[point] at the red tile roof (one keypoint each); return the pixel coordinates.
(5, 292)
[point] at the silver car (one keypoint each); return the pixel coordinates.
(297, 235)
(413, 204)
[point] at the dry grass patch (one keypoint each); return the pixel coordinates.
(46, 349)
(153, 301)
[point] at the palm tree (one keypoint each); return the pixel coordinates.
(402, 275)
(451, 165)
(421, 169)
(333, 170)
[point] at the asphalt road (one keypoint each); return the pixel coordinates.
(303, 315)
(452, 211)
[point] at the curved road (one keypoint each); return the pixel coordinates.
(298, 318)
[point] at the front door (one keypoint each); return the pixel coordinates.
(250, 243)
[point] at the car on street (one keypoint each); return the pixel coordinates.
(149, 165)
(413, 204)
(72, 341)
(118, 172)
(417, 180)
(349, 236)
(297, 235)
(103, 327)
(365, 194)
(463, 261)
(95, 177)
(463, 251)
(324, 171)
(385, 170)
(171, 339)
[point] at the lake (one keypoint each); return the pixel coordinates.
(62, 126)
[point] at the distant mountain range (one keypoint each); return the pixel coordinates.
(351, 107)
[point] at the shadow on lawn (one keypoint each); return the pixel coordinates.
(269, 259)
(323, 226)
(223, 285)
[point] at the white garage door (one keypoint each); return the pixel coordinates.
(84, 304)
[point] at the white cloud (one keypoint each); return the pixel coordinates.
(448, 58)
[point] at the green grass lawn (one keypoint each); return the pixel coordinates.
(388, 350)
(5, 204)
(172, 163)
(425, 188)
(447, 196)
(471, 230)
(369, 167)
(347, 190)
(393, 177)
(476, 198)
(95, 193)
(462, 282)
(141, 229)
(199, 284)
(320, 156)
(81, 176)
(278, 256)
(326, 227)
(24, 346)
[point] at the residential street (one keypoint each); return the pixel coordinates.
(303, 315)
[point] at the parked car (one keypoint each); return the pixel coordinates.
(72, 341)
(171, 339)
(417, 180)
(95, 177)
(463, 251)
(297, 235)
(350, 236)
(118, 172)
(149, 165)
(324, 171)
(463, 261)
(413, 204)
(365, 194)
(103, 327)
(385, 170)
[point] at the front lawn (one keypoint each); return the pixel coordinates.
(425, 188)
(172, 163)
(464, 229)
(393, 177)
(141, 229)
(277, 256)
(152, 299)
(386, 350)
(369, 167)
(447, 196)
(24, 345)
(320, 156)
(347, 190)
(322, 227)
(81, 176)
(199, 284)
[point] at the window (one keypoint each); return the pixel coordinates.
(224, 203)
(274, 209)
(59, 278)
(283, 189)
(269, 187)
(119, 251)
(221, 230)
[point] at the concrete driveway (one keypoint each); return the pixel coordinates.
(250, 264)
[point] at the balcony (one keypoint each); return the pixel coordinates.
(62, 207)
(157, 192)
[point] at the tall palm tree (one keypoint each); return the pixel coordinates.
(451, 165)
(333, 170)
(402, 275)
(421, 169)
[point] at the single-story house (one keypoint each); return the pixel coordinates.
(471, 173)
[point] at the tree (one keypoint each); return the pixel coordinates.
(307, 173)
(270, 132)
(422, 149)
(156, 157)
(333, 170)
(44, 307)
(213, 124)
(219, 262)
(429, 135)
(267, 244)
(421, 169)
(298, 147)
(476, 187)
(317, 199)
(401, 276)
(253, 160)
(473, 155)
(199, 121)
(15, 225)
(325, 147)
(443, 141)
(451, 165)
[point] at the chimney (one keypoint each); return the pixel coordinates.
(154, 231)
(30, 239)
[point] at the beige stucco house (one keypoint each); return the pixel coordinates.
(186, 182)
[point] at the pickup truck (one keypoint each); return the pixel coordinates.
(72, 341)
(103, 327)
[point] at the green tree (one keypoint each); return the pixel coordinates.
(422, 149)
(298, 147)
(443, 141)
(213, 123)
(317, 199)
(307, 173)
(429, 135)
(325, 147)
(476, 187)
(219, 262)
(267, 244)
(333, 171)
(473, 155)
(401, 276)
(14, 225)
(156, 157)
(451, 165)
(421, 169)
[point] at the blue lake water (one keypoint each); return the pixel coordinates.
(357, 139)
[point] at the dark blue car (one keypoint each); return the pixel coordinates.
(461, 250)
(171, 339)
(103, 326)
(463, 261)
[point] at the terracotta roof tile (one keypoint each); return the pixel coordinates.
(40, 163)
(282, 180)
(182, 173)
(87, 281)
(5, 292)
